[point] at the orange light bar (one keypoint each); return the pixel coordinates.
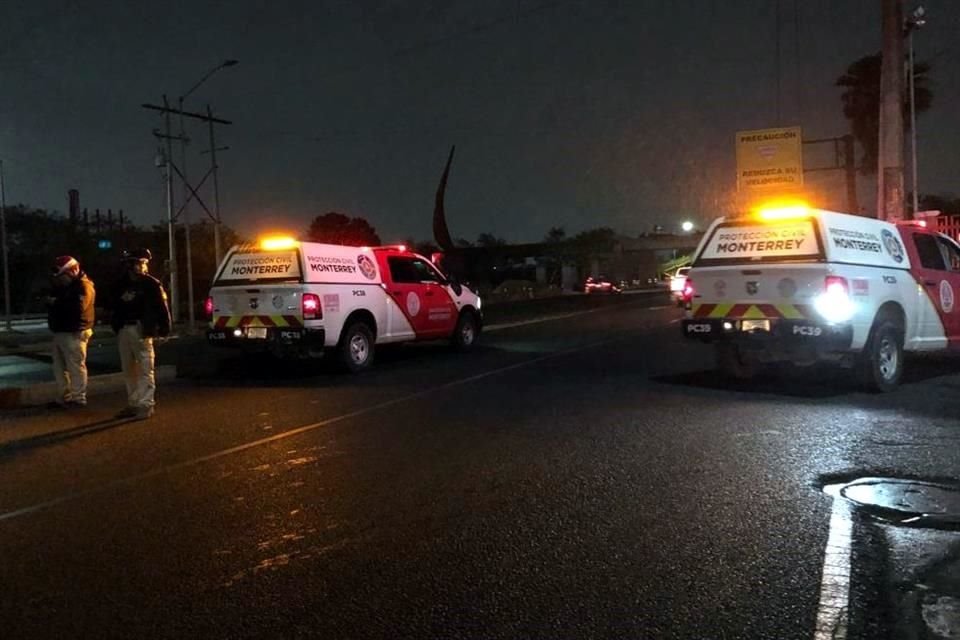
(278, 243)
(783, 211)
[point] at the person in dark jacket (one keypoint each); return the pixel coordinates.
(70, 316)
(140, 314)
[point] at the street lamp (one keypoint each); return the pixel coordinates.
(186, 188)
(916, 20)
(687, 226)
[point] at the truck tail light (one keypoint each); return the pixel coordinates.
(688, 290)
(208, 307)
(834, 304)
(310, 303)
(836, 286)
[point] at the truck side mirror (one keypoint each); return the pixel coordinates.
(454, 283)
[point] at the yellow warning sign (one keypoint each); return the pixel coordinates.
(769, 159)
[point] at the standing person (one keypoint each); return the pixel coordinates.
(70, 316)
(140, 314)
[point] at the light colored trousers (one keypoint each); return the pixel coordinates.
(137, 362)
(70, 364)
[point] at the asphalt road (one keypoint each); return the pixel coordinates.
(579, 478)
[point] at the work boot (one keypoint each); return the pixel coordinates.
(144, 413)
(127, 412)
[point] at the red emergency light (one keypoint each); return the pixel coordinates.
(310, 304)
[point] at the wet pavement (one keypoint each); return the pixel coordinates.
(587, 477)
(16, 371)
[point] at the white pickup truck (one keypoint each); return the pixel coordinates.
(805, 285)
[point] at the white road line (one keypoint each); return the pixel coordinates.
(522, 323)
(9, 515)
(561, 316)
(832, 612)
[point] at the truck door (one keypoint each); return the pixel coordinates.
(416, 288)
(936, 263)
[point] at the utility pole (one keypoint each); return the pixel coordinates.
(171, 228)
(191, 314)
(890, 147)
(190, 190)
(3, 240)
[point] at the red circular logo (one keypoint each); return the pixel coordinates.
(367, 267)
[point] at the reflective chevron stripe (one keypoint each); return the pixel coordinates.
(753, 311)
(230, 322)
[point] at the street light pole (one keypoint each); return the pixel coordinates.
(217, 246)
(915, 21)
(171, 228)
(3, 241)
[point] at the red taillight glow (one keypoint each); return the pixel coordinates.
(208, 307)
(836, 286)
(310, 303)
(688, 290)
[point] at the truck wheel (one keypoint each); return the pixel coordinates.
(466, 333)
(731, 364)
(882, 358)
(356, 347)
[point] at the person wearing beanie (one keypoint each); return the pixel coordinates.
(70, 316)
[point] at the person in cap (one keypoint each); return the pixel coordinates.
(140, 314)
(70, 316)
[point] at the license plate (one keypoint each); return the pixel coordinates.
(257, 333)
(755, 325)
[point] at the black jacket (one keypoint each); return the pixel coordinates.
(141, 299)
(72, 306)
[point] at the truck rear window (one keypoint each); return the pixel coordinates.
(244, 267)
(787, 241)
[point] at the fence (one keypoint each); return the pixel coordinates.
(949, 225)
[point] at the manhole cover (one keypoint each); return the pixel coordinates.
(906, 501)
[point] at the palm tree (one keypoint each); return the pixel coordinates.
(861, 103)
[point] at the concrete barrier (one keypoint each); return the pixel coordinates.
(46, 392)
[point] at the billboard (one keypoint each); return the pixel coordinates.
(769, 159)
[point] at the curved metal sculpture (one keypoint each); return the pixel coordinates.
(441, 233)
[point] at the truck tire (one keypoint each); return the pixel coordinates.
(466, 332)
(731, 364)
(356, 347)
(882, 358)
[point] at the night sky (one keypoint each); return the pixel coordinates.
(576, 114)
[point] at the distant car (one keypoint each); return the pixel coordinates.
(600, 284)
(678, 285)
